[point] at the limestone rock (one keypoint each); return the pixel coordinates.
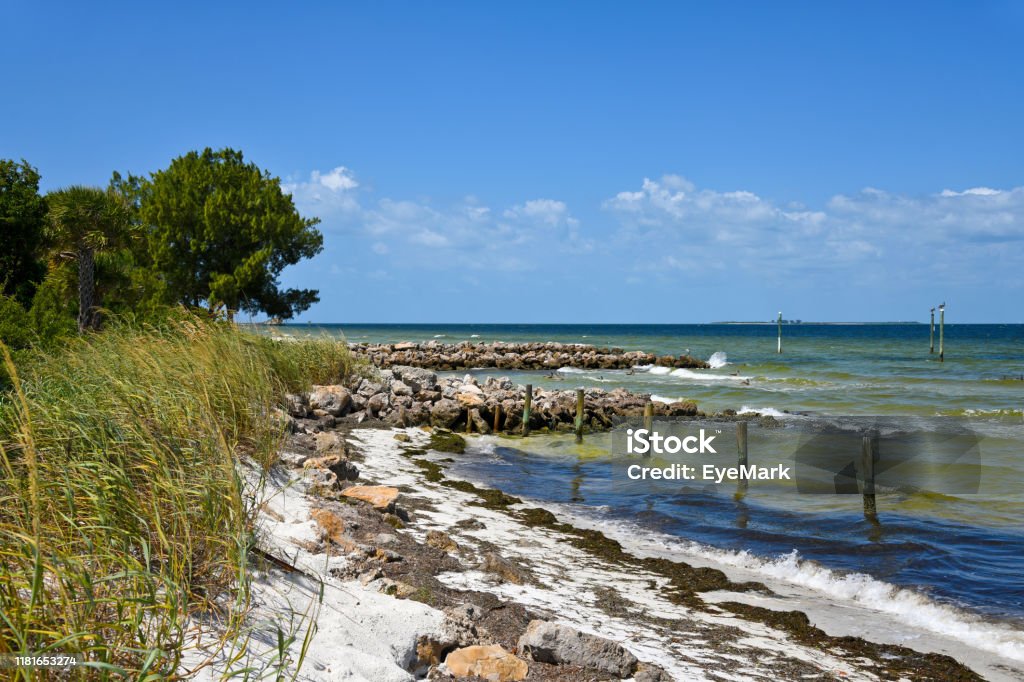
(445, 413)
(503, 568)
(416, 378)
(331, 527)
(560, 644)
(382, 497)
(292, 458)
(489, 662)
(327, 441)
(647, 672)
(334, 400)
(377, 403)
(441, 540)
(399, 387)
(470, 399)
(296, 405)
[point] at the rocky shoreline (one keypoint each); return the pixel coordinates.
(409, 574)
(412, 396)
(513, 356)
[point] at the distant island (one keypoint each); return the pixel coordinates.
(816, 323)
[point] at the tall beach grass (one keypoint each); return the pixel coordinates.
(121, 510)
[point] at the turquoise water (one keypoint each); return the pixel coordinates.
(832, 369)
(963, 549)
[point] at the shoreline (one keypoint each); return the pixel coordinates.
(542, 566)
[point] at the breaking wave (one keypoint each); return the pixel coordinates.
(718, 359)
(904, 605)
(763, 411)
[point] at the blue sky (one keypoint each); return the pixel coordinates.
(572, 162)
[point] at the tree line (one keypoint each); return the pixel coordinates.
(211, 231)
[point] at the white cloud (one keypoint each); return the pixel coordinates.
(340, 178)
(428, 237)
(674, 200)
(670, 227)
(466, 233)
(325, 194)
(980, 191)
(893, 234)
(547, 211)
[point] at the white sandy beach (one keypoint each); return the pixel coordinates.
(363, 633)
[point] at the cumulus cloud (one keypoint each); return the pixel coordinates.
(674, 229)
(340, 178)
(547, 211)
(680, 225)
(466, 233)
(325, 194)
(674, 200)
(979, 214)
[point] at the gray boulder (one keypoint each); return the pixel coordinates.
(377, 403)
(651, 673)
(399, 387)
(416, 378)
(546, 642)
(334, 400)
(445, 413)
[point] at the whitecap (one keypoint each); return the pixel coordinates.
(718, 359)
(684, 373)
(902, 604)
(763, 411)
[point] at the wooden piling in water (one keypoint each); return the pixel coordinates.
(931, 334)
(469, 421)
(741, 449)
(867, 458)
(497, 416)
(526, 409)
(942, 330)
(649, 416)
(579, 415)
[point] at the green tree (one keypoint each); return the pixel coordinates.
(220, 232)
(22, 219)
(81, 221)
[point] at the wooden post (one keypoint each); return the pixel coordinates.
(867, 458)
(526, 409)
(497, 416)
(579, 415)
(469, 421)
(942, 330)
(931, 334)
(649, 416)
(741, 447)
(780, 331)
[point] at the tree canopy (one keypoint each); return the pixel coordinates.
(221, 230)
(22, 218)
(81, 221)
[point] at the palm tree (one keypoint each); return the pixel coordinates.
(82, 220)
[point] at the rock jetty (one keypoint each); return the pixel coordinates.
(413, 396)
(515, 356)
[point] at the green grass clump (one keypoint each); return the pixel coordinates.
(121, 509)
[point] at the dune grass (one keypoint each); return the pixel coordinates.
(121, 510)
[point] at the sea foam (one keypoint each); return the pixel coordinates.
(903, 605)
(718, 359)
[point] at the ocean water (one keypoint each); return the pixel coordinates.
(952, 556)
